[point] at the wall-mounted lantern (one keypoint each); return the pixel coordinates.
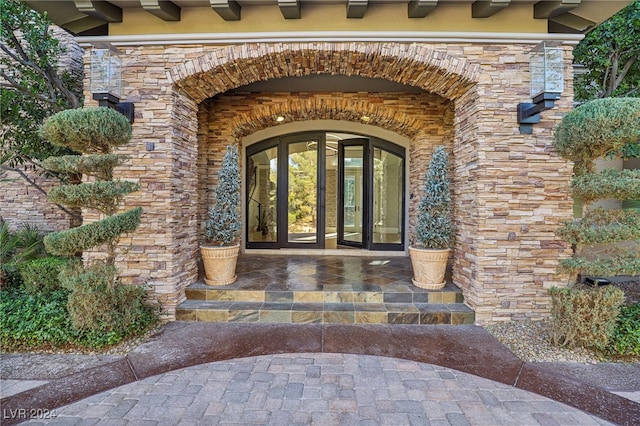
(547, 83)
(106, 81)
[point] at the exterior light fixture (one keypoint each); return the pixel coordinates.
(547, 83)
(365, 118)
(279, 119)
(106, 81)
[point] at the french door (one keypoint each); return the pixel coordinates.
(307, 191)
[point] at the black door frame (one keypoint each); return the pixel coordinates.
(364, 143)
(282, 191)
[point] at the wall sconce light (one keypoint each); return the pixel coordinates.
(106, 81)
(547, 83)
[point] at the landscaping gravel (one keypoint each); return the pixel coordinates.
(531, 340)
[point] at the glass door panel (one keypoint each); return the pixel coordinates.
(302, 174)
(262, 196)
(352, 202)
(387, 197)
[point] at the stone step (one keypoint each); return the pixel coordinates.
(328, 294)
(326, 312)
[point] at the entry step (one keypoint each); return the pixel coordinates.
(326, 312)
(328, 294)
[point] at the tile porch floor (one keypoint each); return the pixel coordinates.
(324, 289)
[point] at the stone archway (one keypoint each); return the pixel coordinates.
(451, 78)
(510, 188)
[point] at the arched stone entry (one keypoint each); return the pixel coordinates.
(499, 196)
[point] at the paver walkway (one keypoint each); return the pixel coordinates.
(318, 389)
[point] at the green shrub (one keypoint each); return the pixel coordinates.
(600, 225)
(98, 303)
(223, 223)
(597, 128)
(72, 241)
(611, 183)
(37, 321)
(626, 337)
(434, 229)
(41, 275)
(15, 248)
(31, 320)
(584, 317)
(626, 264)
(99, 166)
(104, 196)
(87, 130)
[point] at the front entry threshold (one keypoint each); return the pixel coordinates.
(326, 252)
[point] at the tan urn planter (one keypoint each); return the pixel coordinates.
(429, 266)
(220, 264)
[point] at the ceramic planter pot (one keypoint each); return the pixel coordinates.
(429, 266)
(220, 264)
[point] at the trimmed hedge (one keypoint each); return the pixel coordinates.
(42, 275)
(104, 196)
(72, 241)
(597, 128)
(87, 130)
(602, 225)
(611, 183)
(628, 264)
(584, 317)
(99, 166)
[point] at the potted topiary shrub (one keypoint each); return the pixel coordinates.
(220, 254)
(434, 231)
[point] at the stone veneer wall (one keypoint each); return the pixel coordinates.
(418, 112)
(510, 189)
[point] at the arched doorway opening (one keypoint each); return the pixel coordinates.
(325, 190)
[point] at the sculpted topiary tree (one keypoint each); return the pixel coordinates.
(97, 303)
(94, 132)
(591, 131)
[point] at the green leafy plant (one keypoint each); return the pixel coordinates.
(594, 130)
(626, 337)
(610, 183)
(584, 317)
(223, 222)
(98, 305)
(16, 248)
(94, 131)
(41, 275)
(597, 128)
(609, 54)
(434, 229)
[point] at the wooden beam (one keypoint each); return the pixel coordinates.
(290, 9)
(574, 22)
(356, 8)
(102, 10)
(550, 9)
(163, 9)
(229, 10)
(487, 8)
(420, 8)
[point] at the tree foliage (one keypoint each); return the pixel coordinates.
(609, 54)
(32, 85)
(596, 129)
(435, 229)
(91, 130)
(591, 131)
(223, 223)
(611, 183)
